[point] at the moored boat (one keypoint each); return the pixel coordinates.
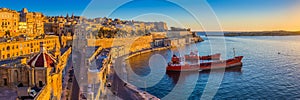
(176, 65)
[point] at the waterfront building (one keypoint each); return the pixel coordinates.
(9, 21)
(160, 39)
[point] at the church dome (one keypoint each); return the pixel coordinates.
(42, 59)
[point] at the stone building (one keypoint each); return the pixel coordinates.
(37, 78)
(22, 27)
(34, 22)
(60, 25)
(22, 48)
(9, 21)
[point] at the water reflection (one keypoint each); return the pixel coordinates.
(176, 75)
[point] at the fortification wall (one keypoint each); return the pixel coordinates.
(131, 44)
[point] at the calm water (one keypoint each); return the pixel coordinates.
(271, 69)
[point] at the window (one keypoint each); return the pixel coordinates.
(40, 84)
(7, 48)
(5, 81)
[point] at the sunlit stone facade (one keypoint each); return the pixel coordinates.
(34, 22)
(9, 22)
(22, 48)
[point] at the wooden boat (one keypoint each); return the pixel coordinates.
(193, 56)
(176, 65)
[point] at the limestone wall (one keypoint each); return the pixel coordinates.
(131, 44)
(44, 94)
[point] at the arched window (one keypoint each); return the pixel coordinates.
(7, 48)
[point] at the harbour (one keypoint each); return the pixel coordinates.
(259, 75)
(149, 50)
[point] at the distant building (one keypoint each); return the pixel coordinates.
(178, 34)
(62, 26)
(34, 22)
(179, 29)
(22, 27)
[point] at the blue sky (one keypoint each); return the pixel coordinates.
(233, 15)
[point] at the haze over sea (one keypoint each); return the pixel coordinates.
(270, 70)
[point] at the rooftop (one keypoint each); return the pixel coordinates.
(10, 62)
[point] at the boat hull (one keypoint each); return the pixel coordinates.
(221, 64)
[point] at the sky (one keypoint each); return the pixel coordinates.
(228, 15)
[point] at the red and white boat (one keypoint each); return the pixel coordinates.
(176, 64)
(193, 56)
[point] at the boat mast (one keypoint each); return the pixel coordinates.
(233, 52)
